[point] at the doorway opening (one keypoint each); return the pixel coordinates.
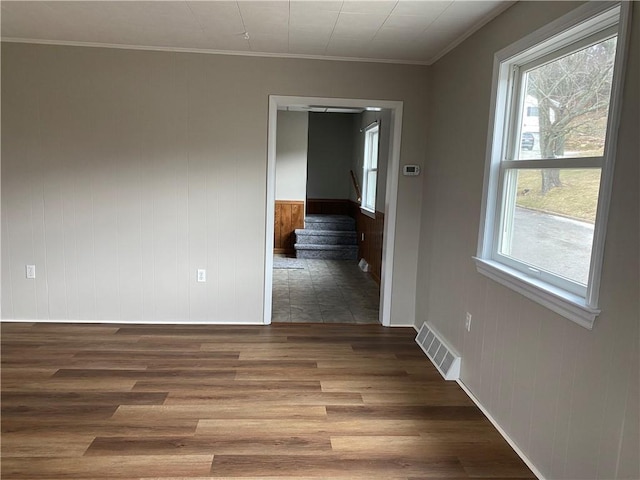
(329, 216)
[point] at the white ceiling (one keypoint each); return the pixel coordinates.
(401, 31)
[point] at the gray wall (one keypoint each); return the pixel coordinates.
(291, 155)
(124, 171)
(567, 396)
(331, 145)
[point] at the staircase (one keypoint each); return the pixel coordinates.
(329, 237)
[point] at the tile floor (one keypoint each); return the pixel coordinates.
(325, 291)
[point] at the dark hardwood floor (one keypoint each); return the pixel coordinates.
(287, 401)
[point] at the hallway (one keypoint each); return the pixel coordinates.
(325, 291)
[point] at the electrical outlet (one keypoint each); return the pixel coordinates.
(202, 275)
(467, 322)
(31, 271)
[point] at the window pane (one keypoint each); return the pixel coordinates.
(374, 148)
(370, 201)
(370, 164)
(549, 218)
(566, 105)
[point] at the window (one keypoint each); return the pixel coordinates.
(547, 181)
(532, 111)
(370, 168)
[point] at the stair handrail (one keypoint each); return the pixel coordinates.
(354, 180)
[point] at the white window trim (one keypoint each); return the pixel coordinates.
(370, 212)
(581, 310)
(367, 212)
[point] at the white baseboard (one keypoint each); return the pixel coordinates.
(504, 434)
(497, 426)
(125, 322)
(153, 322)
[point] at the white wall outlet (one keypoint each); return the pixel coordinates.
(202, 275)
(31, 271)
(467, 322)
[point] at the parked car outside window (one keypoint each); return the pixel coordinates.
(527, 141)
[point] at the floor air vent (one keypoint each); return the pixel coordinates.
(447, 363)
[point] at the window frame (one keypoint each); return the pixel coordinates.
(367, 168)
(569, 33)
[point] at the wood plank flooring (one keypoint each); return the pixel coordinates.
(286, 401)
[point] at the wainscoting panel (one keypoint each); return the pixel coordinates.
(289, 215)
(371, 243)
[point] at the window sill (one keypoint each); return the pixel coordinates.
(560, 301)
(368, 213)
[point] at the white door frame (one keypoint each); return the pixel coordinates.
(390, 203)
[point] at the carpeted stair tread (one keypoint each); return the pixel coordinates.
(318, 218)
(326, 237)
(330, 237)
(329, 222)
(317, 246)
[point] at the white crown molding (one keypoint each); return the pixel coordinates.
(210, 51)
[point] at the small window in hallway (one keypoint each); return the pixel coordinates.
(370, 167)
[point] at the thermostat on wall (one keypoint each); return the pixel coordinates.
(411, 170)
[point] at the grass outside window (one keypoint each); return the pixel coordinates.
(575, 198)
